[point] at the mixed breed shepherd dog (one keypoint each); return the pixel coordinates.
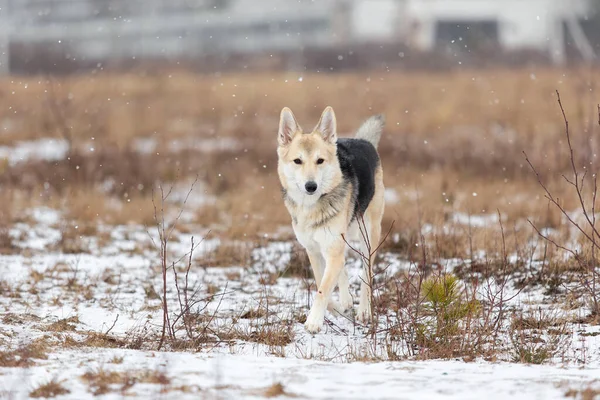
(333, 190)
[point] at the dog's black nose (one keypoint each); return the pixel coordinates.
(310, 186)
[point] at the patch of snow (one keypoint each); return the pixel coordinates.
(46, 215)
(476, 220)
(205, 145)
(145, 145)
(47, 149)
(149, 145)
(391, 196)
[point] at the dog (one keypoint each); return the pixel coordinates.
(333, 190)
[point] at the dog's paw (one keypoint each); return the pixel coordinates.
(363, 315)
(313, 327)
(346, 301)
(313, 323)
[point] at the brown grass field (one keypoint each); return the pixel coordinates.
(453, 142)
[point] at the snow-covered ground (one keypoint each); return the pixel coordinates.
(109, 288)
(231, 376)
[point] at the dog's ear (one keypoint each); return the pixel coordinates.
(327, 126)
(288, 126)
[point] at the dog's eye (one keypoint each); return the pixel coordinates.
(298, 161)
(320, 161)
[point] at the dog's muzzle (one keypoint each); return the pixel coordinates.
(311, 187)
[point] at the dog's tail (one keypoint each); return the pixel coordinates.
(371, 129)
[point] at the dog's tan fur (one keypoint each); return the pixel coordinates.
(322, 227)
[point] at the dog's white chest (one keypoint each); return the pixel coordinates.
(305, 234)
(316, 238)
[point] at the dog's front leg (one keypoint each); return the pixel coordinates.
(317, 262)
(334, 262)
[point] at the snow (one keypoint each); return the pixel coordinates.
(149, 145)
(110, 285)
(46, 149)
(479, 221)
(230, 376)
(52, 149)
(391, 196)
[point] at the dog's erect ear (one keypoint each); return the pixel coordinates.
(327, 126)
(288, 126)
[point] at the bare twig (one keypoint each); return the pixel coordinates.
(164, 235)
(113, 325)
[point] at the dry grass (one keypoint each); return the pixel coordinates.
(86, 208)
(586, 394)
(25, 355)
(49, 390)
(276, 390)
(7, 245)
(63, 325)
(116, 360)
(538, 336)
(299, 264)
(71, 239)
(178, 103)
(6, 242)
(448, 135)
(102, 381)
(97, 339)
(236, 253)
(275, 334)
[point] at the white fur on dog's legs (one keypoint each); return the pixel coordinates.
(334, 263)
(316, 316)
(345, 296)
(317, 262)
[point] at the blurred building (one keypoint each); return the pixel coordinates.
(541, 25)
(99, 30)
(38, 35)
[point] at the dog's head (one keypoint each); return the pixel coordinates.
(308, 164)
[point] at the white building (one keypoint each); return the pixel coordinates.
(514, 24)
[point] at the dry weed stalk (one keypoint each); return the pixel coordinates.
(186, 318)
(590, 276)
(186, 304)
(367, 262)
(164, 235)
(493, 313)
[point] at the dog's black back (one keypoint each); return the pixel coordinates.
(358, 162)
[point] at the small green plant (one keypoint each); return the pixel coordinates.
(448, 310)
